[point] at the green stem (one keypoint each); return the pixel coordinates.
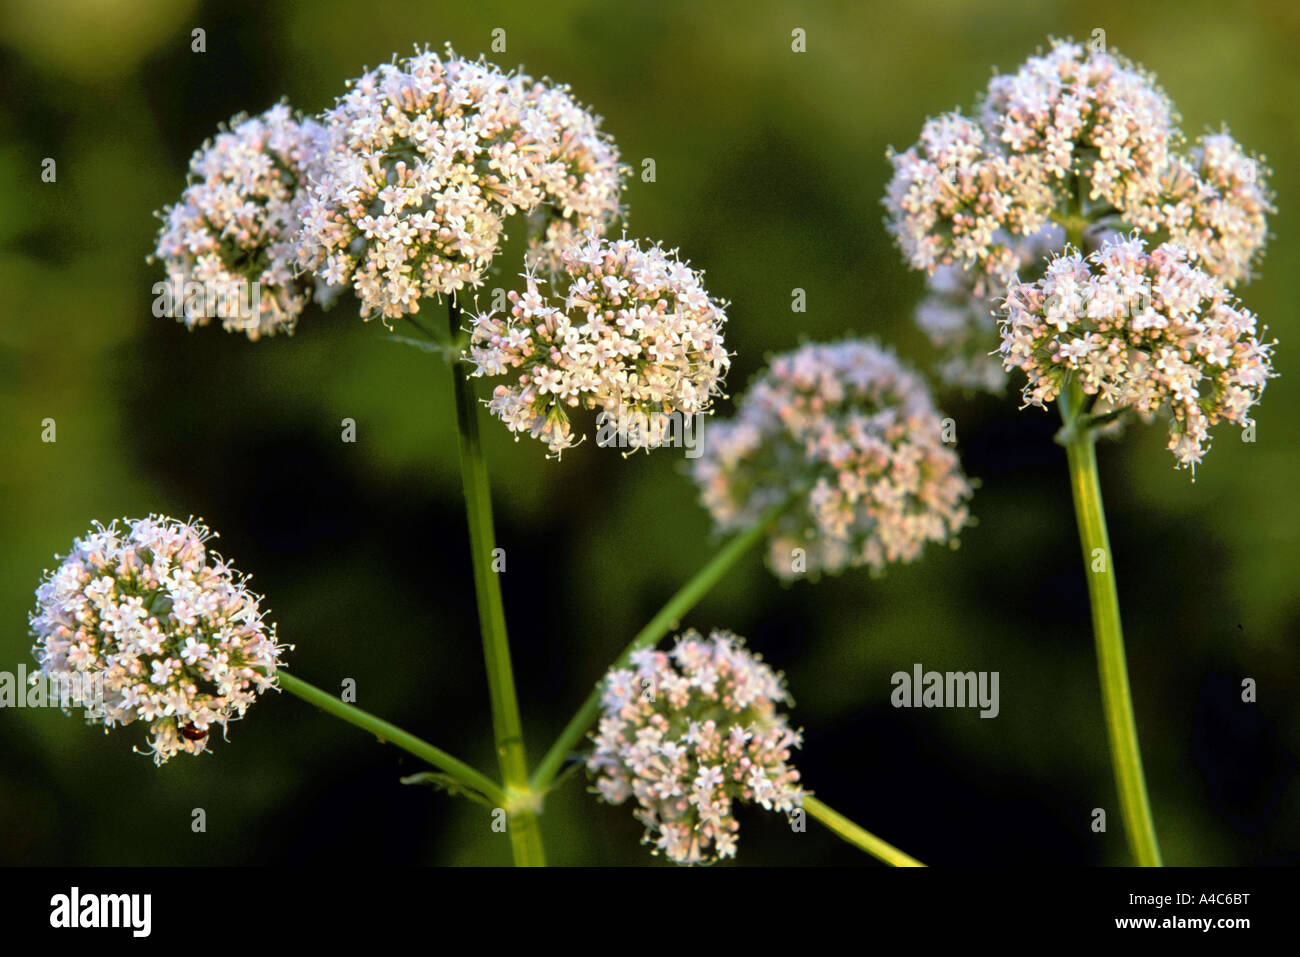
(521, 804)
(857, 836)
(392, 734)
(655, 629)
(1099, 567)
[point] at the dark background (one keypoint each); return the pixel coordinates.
(770, 170)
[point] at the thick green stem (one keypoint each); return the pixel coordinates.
(655, 629)
(857, 836)
(1099, 567)
(521, 805)
(392, 734)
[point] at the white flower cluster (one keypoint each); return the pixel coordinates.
(1073, 132)
(430, 155)
(1215, 204)
(955, 198)
(636, 335)
(689, 734)
(237, 224)
(1144, 331)
(167, 627)
(855, 438)
(1085, 113)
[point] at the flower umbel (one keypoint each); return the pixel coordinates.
(1086, 113)
(1076, 137)
(854, 437)
(955, 199)
(635, 335)
(169, 628)
(430, 155)
(1145, 331)
(236, 225)
(688, 734)
(1215, 204)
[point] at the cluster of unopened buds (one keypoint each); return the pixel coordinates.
(691, 733)
(1077, 136)
(169, 632)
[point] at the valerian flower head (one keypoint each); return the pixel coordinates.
(1086, 113)
(631, 331)
(689, 734)
(851, 438)
(431, 155)
(228, 246)
(1215, 203)
(1140, 330)
(956, 199)
(1076, 136)
(166, 632)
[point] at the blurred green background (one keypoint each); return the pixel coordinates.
(770, 168)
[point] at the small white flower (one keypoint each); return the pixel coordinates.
(194, 650)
